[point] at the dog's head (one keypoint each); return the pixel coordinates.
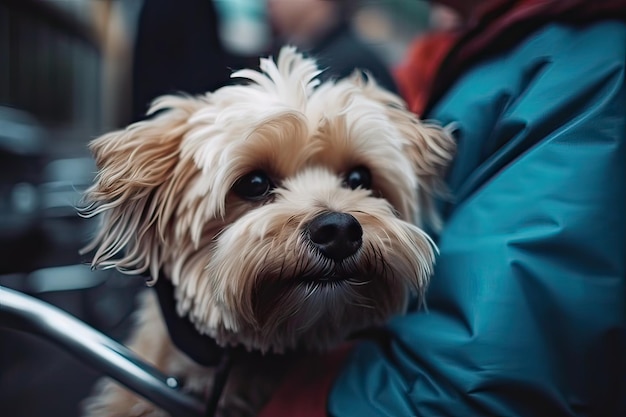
(284, 212)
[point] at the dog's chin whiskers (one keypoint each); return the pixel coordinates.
(311, 289)
(363, 305)
(358, 283)
(380, 264)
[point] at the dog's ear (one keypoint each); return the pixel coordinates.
(134, 166)
(431, 150)
(430, 147)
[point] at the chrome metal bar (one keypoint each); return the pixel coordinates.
(21, 312)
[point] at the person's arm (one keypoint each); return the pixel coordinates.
(526, 311)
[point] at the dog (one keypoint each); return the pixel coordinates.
(286, 212)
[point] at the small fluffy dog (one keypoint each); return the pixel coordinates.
(284, 211)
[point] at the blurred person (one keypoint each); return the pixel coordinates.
(426, 54)
(526, 311)
(444, 18)
(322, 28)
(178, 49)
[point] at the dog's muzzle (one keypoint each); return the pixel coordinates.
(336, 235)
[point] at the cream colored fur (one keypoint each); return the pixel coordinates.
(164, 192)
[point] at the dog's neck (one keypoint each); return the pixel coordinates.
(234, 367)
(202, 349)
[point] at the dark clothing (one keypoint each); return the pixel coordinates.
(178, 49)
(342, 51)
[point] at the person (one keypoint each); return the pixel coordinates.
(322, 29)
(526, 311)
(178, 49)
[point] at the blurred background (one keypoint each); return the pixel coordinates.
(71, 70)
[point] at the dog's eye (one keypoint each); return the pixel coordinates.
(358, 177)
(253, 186)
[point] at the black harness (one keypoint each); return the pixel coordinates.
(200, 348)
(205, 351)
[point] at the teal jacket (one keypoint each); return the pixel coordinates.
(526, 312)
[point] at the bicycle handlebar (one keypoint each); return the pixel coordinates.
(24, 313)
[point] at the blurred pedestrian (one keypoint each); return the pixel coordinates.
(178, 49)
(323, 29)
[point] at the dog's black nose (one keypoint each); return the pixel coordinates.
(336, 235)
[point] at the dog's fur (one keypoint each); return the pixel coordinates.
(245, 271)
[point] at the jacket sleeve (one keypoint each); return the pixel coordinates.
(526, 312)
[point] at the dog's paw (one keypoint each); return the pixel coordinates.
(111, 400)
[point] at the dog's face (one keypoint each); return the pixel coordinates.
(283, 211)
